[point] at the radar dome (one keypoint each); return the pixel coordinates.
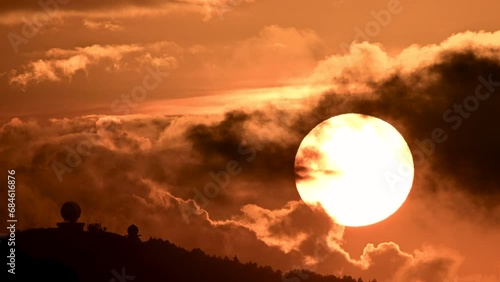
(133, 230)
(70, 211)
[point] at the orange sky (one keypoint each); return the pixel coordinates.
(165, 73)
(227, 45)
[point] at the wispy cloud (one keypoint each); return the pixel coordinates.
(14, 11)
(57, 64)
(99, 25)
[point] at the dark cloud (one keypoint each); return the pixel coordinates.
(469, 154)
(262, 158)
(302, 161)
(414, 104)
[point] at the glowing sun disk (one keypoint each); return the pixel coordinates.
(358, 168)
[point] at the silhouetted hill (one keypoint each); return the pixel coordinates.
(55, 255)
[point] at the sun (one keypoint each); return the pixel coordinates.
(357, 167)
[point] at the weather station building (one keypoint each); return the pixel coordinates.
(70, 212)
